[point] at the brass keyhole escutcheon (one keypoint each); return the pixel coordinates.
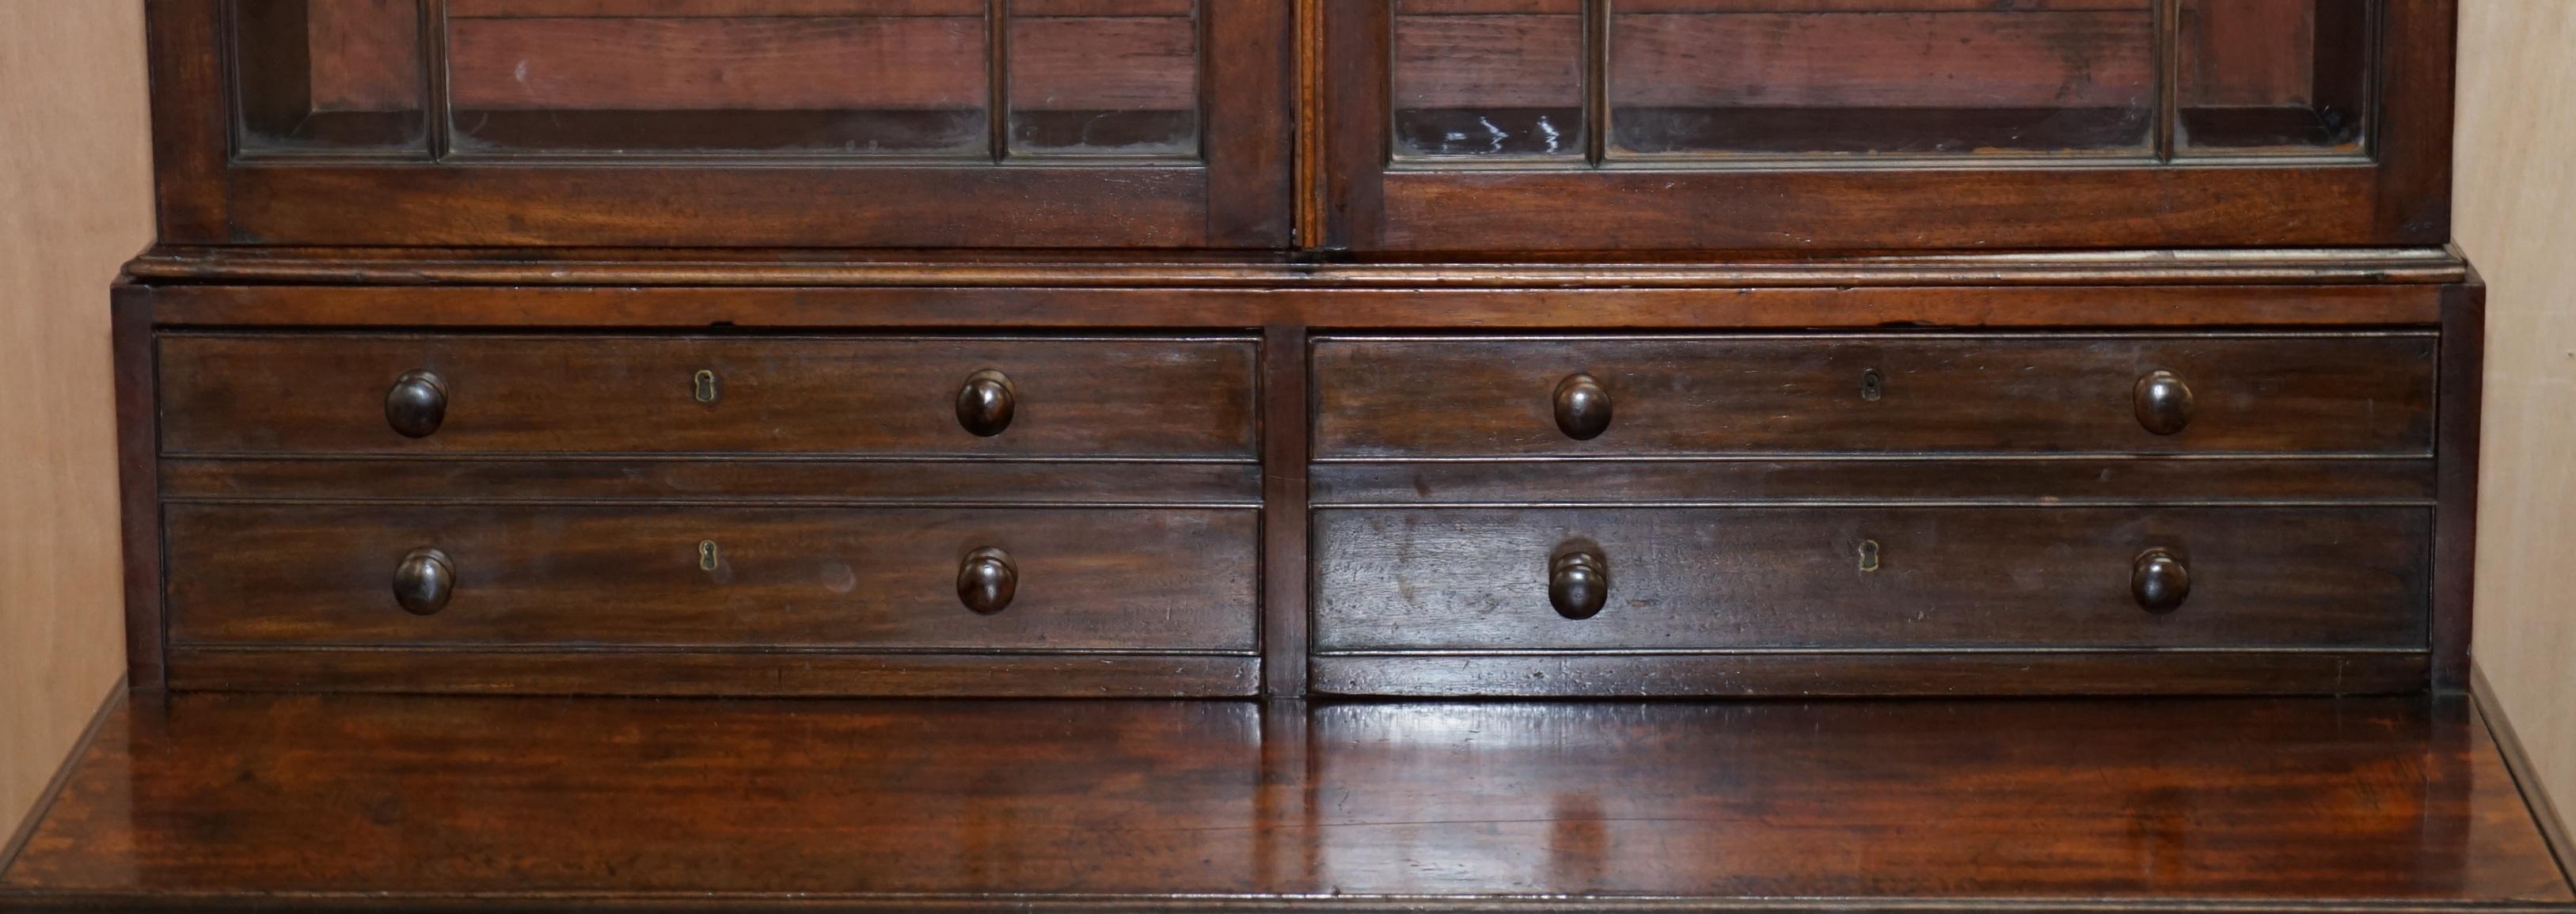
(702, 388)
(708, 555)
(1869, 555)
(1872, 386)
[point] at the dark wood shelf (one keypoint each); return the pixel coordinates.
(234, 802)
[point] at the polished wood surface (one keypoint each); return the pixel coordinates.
(1896, 393)
(1803, 673)
(288, 394)
(961, 348)
(1985, 391)
(1681, 579)
(568, 577)
(310, 802)
(2031, 480)
(825, 672)
(806, 482)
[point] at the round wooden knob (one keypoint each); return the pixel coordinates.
(424, 581)
(984, 406)
(417, 404)
(2160, 581)
(988, 579)
(2163, 402)
(1582, 407)
(1578, 584)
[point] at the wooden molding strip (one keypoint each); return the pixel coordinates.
(417, 267)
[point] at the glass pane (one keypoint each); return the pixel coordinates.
(1104, 77)
(861, 77)
(2286, 75)
(1492, 78)
(1890, 77)
(341, 76)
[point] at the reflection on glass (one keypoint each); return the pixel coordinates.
(1492, 78)
(905, 77)
(1894, 77)
(1104, 77)
(336, 76)
(2279, 75)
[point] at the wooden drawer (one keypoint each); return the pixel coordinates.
(1085, 579)
(329, 393)
(1874, 393)
(1474, 580)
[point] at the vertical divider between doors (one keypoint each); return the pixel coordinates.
(1284, 599)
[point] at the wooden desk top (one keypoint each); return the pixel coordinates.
(230, 802)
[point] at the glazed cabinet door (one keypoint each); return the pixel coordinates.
(791, 123)
(1515, 125)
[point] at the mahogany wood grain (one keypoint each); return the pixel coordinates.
(1104, 8)
(2248, 53)
(1870, 6)
(289, 394)
(821, 673)
(2039, 206)
(367, 55)
(750, 63)
(1673, 57)
(2364, 279)
(2414, 90)
(1466, 299)
(739, 480)
(191, 125)
(2031, 481)
(1285, 517)
(138, 448)
(2455, 536)
(1472, 580)
(307, 803)
(567, 577)
(1428, 397)
(591, 9)
(1832, 203)
(2017, 800)
(1249, 51)
(1456, 61)
(1077, 59)
(1863, 674)
(774, 206)
(738, 183)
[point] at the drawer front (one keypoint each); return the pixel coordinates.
(1870, 578)
(1081, 579)
(2319, 393)
(329, 393)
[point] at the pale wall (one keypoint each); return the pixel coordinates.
(75, 202)
(2515, 211)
